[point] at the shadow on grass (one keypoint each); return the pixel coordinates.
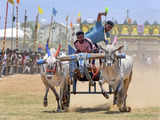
(53, 111)
(104, 107)
(100, 108)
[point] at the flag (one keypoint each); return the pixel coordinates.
(106, 10)
(54, 11)
(40, 10)
(79, 14)
(18, 1)
(71, 25)
(11, 1)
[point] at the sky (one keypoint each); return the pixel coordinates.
(139, 10)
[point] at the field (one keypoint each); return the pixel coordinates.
(21, 98)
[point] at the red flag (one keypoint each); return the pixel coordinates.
(71, 25)
(18, 1)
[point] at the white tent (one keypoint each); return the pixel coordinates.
(9, 33)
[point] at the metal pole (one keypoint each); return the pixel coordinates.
(13, 20)
(36, 34)
(25, 22)
(50, 28)
(5, 27)
(66, 41)
(17, 27)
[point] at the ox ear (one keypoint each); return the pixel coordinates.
(58, 51)
(119, 48)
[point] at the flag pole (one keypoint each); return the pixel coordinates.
(5, 27)
(25, 22)
(72, 35)
(66, 41)
(50, 28)
(13, 20)
(17, 27)
(36, 31)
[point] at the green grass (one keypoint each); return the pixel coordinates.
(29, 107)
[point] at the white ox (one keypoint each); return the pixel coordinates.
(117, 73)
(54, 74)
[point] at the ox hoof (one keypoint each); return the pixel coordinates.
(125, 109)
(45, 103)
(58, 110)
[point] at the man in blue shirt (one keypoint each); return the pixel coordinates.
(99, 32)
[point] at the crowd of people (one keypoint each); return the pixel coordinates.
(14, 61)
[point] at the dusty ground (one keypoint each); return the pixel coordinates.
(22, 95)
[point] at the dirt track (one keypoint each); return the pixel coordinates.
(143, 91)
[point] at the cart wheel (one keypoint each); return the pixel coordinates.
(66, 97)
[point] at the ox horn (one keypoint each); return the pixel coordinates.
(119, 48)
(58, 50)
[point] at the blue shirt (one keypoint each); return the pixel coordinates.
(96, 34)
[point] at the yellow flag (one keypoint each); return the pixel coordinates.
(79, 14)
(11, 1)
(40, 10)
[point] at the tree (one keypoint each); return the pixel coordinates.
(146, 22)
(155, 23)
(115, 22)
(85, 22)
(125, 22)
(135, 22)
